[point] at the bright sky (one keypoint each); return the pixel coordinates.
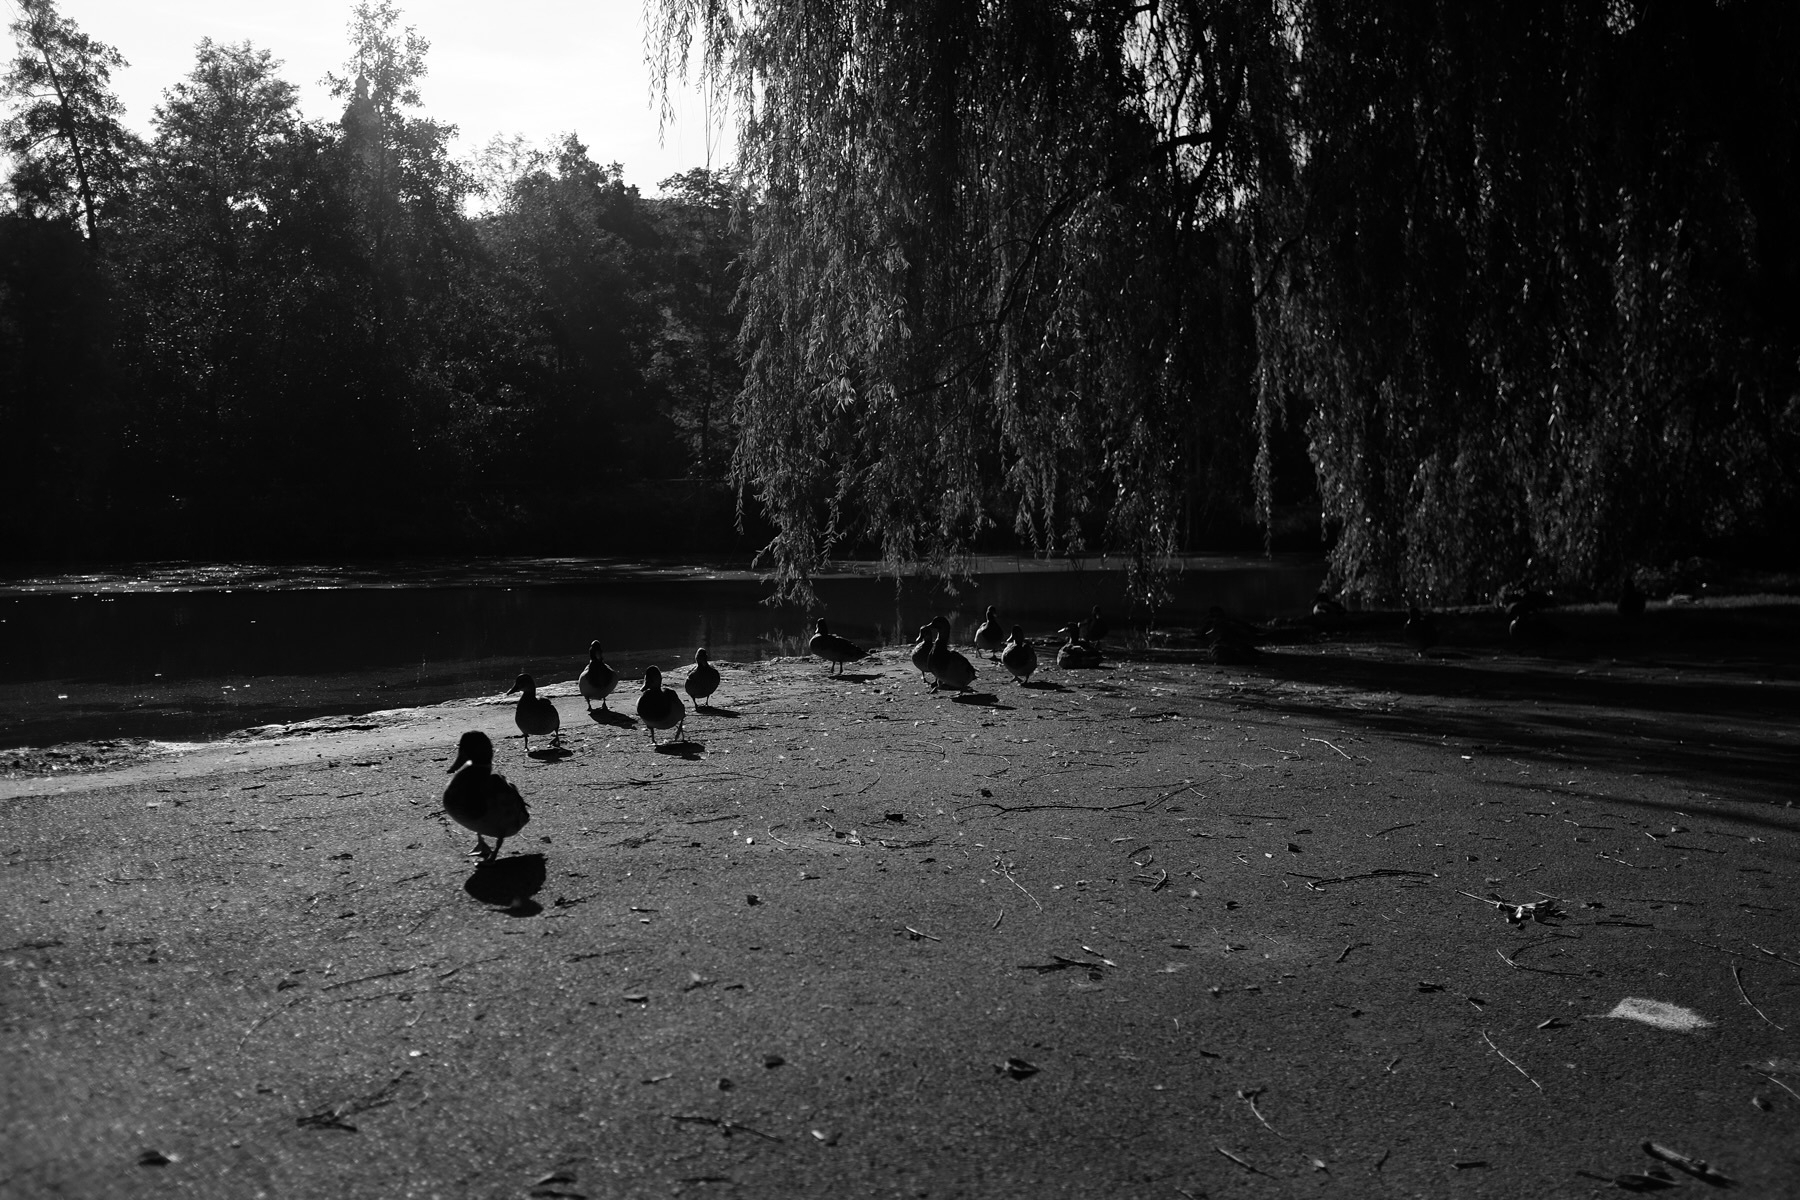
(533, 67)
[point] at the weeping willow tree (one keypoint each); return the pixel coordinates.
(1517, 272)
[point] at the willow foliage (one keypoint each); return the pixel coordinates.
(1517, 271)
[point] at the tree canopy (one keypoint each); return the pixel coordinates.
(1517, 275)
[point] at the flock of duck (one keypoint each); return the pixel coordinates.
(491, 807)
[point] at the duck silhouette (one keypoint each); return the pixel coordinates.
(1075, 653)
(1421, 630)
(1020, 656)
(833, 649)
(659, 707)
(479, 800)
(921, 651)
(989, 637)
(534, 714)
(703, 680)
(948, 668)
(597, 679)
(1093, 628)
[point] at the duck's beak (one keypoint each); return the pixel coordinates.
(512, 689)
(461, 758)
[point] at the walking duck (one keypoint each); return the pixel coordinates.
(921, 651)
(535, 713)
(989, 637)
(833, 649)
(597, 679)
(1075, 653)
(948, 668)
(480, 800)
(1019, 657)
(703, 680)
(659, 707)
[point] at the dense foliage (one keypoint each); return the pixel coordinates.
(1519, 275)
(255, 333)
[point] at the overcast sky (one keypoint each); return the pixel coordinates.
(533, 67)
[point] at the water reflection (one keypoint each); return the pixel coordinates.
(185, 651)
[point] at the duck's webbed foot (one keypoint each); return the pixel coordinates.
(482, 850)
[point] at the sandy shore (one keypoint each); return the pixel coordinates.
(1160, 929)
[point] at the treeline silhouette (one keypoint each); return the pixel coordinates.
(253, 333)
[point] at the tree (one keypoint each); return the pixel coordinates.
(1494, 275)
(65, 135)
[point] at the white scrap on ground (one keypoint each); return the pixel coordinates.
(1672, 1017)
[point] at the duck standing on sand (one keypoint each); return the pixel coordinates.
(1075, 653)
(948, 668)
(703, 680)
(597, 679)
(921, 651)
(988, 635)
(659, 707)
(1020, 656)
(834, 649)
(535, 713)
(1421, 630)
(480, 800)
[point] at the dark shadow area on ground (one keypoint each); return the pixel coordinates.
(606, 716)
(685, 748)
(1721, 736)
(550, 753)
(710, 710)
(984, 699)
(849, 677)
(509, 883)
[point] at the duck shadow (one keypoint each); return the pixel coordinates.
(982, 699)
(858, 676)
(606, 716)
(686, 748)
(509, 883)
(729, 714)
(550, 753)
(1044, 685)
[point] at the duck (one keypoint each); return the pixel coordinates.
(921, 651)
(535, 713)
(1328, 612)
(660, 708)
(703, 680)
(1421, 629)
(948, 668)
(597, 679)
(1020, 656)
(479, 800)
(1075, 653)
(989, 637)
(1093, 628)
(1232, 642)
(833, 649)
(1531, 631)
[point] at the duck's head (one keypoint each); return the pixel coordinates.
(820, 628)
(1068, 631)
(474, 747)
(701, 656)
(990, 612)
(1018, 635)
(594, 651)
(524, 684)
(652, 679)
(941, 623)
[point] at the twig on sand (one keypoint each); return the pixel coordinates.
(998, 919)
(1509, 1062)
(1015, 808)
(1391, 829)
(1345, 953)
(1322, 740)
(332, 987)
(728, 1127)
(920, 933)
(1250, 1099)
(1254, 1170)
(1790, 962)
(1008, 877)
(1784, 1087)
(1380, 873)
(1736, 975)
(1517, 966)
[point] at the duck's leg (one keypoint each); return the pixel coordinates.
(679, 727)
(497, 844)
(481, 849)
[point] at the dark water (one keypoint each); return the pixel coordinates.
(187, 651)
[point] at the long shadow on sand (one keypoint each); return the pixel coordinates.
(1727, 733)
(606, 716)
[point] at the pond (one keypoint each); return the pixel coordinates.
(194, 651)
